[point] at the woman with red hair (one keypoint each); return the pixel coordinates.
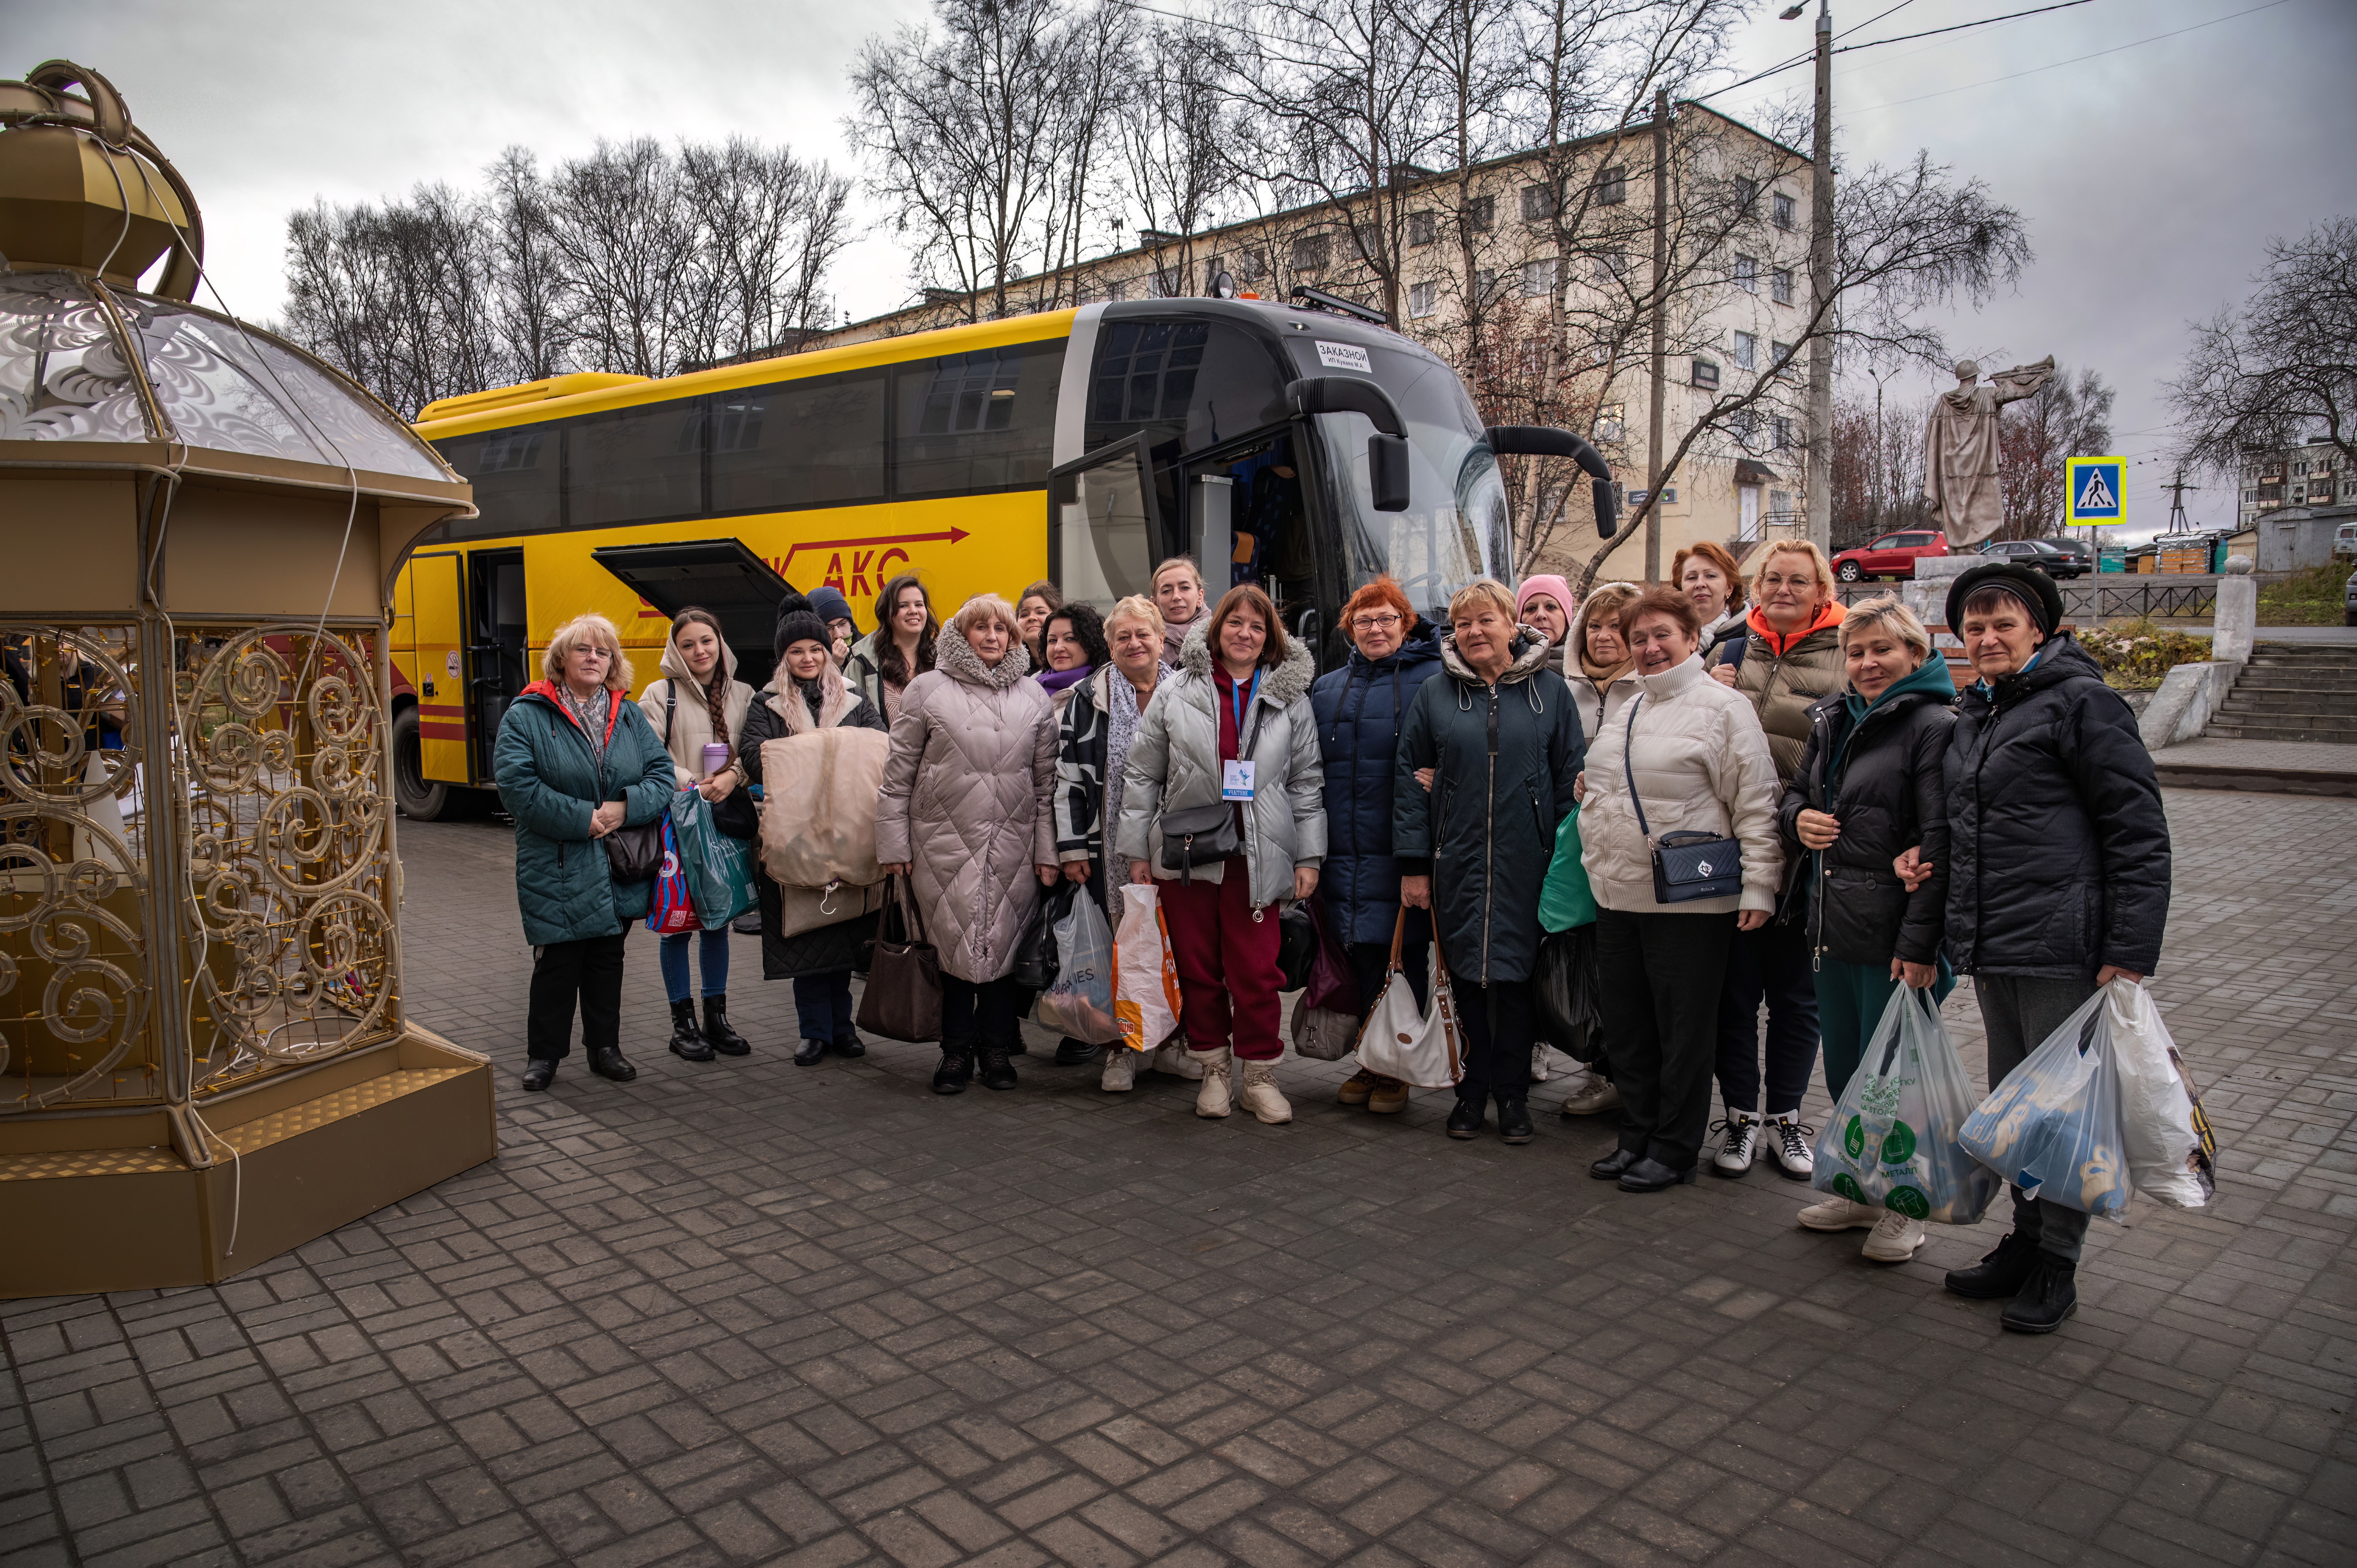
(1358, 707)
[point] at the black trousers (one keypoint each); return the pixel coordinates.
(1370, 960)
(1497, 1022)
(590, 969)
(1660, 976)
(985, 1014)
(1770, 962)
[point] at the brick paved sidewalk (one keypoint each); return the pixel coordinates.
(751, 1313)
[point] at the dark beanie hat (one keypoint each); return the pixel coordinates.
(2033, 587)
(831, 605)
(797, 622)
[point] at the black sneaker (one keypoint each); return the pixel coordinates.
(1465, 1121)
(2002, 1274)
(996, 1071)
(1514, 1116)
(954, 1073)
(2047, 1296)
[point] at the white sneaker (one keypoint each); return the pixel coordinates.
(1599, 1095)
(1788, 1146)
(1260, 1096)
(1740, 1145)
(1539, 1062)
(1841, 1214)
(1213, 1099)
(1120, 1075)
(1176, 1060)
(1894, 1239)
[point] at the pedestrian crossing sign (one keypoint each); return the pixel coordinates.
(2096, 490)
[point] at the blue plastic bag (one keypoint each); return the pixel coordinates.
(2052, 1127)
(1892, 1139)
(718, 869)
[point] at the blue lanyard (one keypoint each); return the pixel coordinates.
(1240, 702)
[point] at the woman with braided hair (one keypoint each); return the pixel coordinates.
(699, 702)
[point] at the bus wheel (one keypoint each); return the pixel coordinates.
(411, 792)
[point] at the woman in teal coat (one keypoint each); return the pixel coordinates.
(575, 760)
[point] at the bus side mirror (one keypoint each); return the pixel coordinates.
(1544, 441)
(1387, 471)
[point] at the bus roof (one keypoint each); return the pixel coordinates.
(563, 396)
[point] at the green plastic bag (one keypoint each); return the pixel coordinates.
(720, 868)
(1564, 900)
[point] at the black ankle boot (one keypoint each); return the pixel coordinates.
(1514, 1116)
(811, 1053)
(1465, 1121)
(954, 1073)
(2048, 1295)
(539, 1073)
(686, 1040)
(2001, 1273)
(996, 1071)
(716, 1032)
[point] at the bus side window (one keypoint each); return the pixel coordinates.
(799, 443)
(514, 476)
(635, 464)
(984, 421)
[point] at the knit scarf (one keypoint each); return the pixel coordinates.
(1602, 674)
(1055, 680)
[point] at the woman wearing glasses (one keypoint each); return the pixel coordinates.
(1358, 707)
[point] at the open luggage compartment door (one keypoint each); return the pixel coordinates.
(719, 574)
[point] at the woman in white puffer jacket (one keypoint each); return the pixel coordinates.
(1701, 761)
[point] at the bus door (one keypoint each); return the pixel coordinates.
(499, 662)
(436, 583)
(718, 574)
(1105, 529)
(1254, 518)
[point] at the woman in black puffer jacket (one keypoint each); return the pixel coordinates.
(1868, 784)
(2058, 874)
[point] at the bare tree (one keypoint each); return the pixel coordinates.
(984, 133)
(2064, 419)
(2266, 377)
(1173, 123)
(530, 310)
(771, 228)
(627, 236)
(1878, 466)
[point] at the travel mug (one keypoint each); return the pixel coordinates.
(715, 757)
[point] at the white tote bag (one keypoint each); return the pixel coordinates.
(1145, 1004)
(1419, 1049)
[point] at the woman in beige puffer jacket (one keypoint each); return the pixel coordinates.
(964, 813)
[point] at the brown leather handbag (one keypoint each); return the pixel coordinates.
(903, 999)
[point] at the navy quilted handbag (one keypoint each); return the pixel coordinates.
(1689, 865)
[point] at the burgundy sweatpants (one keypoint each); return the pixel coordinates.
(1228, 976)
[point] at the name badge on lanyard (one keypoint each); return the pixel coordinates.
(1235, 781)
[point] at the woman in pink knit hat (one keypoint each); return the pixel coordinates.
(1545, 603)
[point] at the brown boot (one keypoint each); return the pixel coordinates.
(1212, 1098)
(1357, 1088)
(1261, 1097)
(1390, 1097)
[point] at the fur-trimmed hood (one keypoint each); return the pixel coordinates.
(1530, 651)
(1280, 686)
(955, 656)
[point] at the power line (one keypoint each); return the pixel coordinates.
(2033, 70)
(1803, 59)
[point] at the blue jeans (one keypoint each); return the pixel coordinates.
(714, 945)
(823, 1003)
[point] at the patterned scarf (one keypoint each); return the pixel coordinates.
(592, 712)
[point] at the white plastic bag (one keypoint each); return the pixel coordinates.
(2052, 1127)
(1079, 1002)
(1416, 1046)
(1145, 976)
(2157, 1124)
(1891, 1140)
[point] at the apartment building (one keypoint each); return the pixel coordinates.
(2315, 474)
(1533, 276)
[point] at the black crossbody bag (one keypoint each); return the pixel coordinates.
(1687, 867)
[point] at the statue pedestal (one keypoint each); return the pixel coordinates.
(1927, 594)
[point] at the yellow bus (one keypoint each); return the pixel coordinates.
(1301, 445)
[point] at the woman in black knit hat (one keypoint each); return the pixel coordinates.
(808, 692)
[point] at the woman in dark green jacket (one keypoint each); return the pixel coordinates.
(1498, 732)
(575, 760)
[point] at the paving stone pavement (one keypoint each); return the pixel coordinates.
(751, 1313)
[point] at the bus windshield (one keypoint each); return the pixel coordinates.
(1456, 527)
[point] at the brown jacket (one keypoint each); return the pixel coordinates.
(965, 802)
(1783, 677)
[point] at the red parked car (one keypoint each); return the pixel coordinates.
(1892, 555)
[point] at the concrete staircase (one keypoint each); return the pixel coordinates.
(2292, 690)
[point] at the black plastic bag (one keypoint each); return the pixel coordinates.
(1036, 962)
(1296, 946)
(1570, 1013)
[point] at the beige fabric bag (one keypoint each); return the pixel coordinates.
(804, 910)
(818, 807)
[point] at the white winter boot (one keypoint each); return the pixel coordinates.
(1176, 1060)
(1212, 1099)
(1261, 1097)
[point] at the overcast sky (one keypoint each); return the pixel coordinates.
(2151, 175)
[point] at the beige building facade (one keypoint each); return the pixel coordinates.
(1533, 276)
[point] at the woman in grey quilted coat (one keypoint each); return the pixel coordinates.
(964, 815)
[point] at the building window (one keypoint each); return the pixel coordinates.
(1538, 278)
(1747, 273)
(1370, 237)
(1250, 267)
(1747, 191)
(1116, 292)
(1610, 421)
(1611, 265)
(1746, 351)
(1612, 186)
(1481, 214)
(1422, 298)
(1485, 284)
(1310, 254)
(1538, 203)
(1419, 228)
(1784, 209)
(1783, 433)
(1780, 286)
(1779, 357)
(1744, 425)
(1780, 505)
(1706, 374)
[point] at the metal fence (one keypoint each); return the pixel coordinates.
(2115, 599)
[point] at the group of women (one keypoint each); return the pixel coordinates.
(1872, 830)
